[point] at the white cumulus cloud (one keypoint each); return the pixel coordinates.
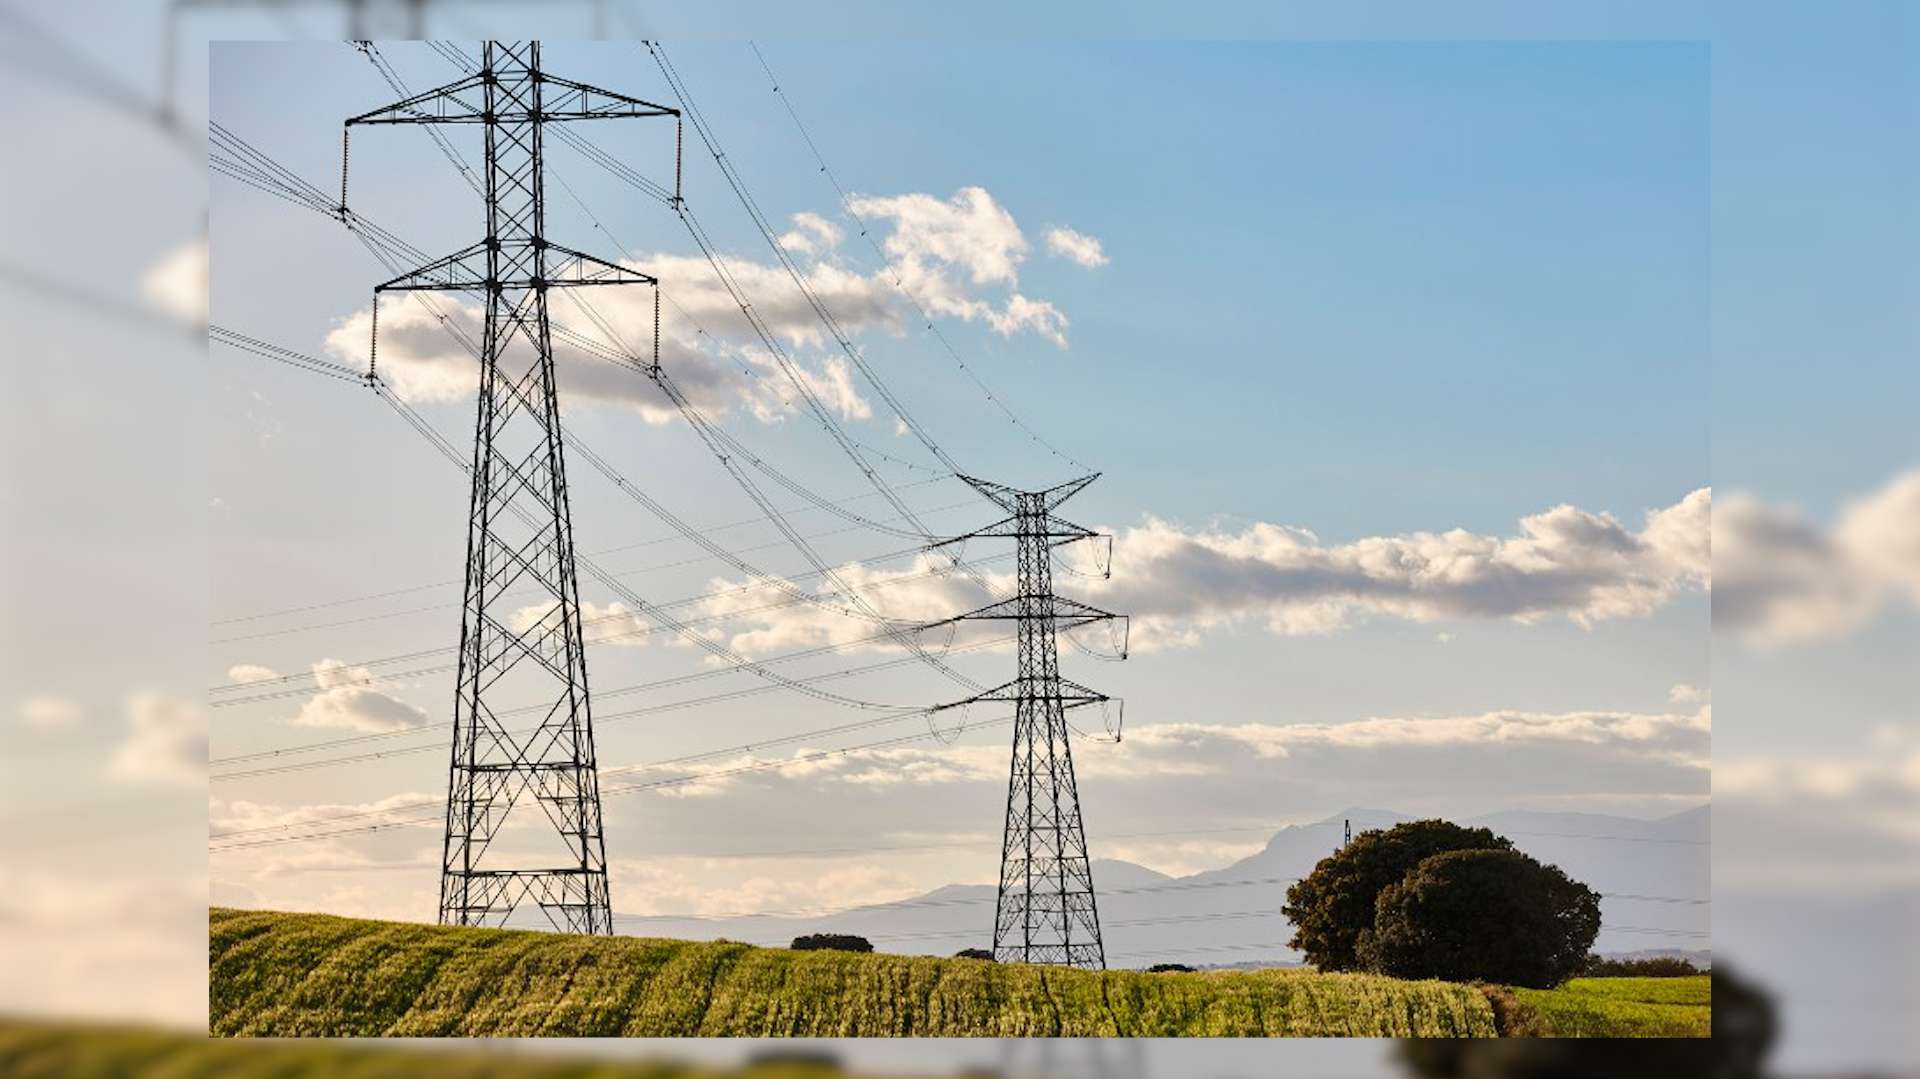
(811, 235)
(942, 251)
(1076, 246)
(349, 700)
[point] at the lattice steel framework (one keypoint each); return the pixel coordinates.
(1046, 911)
(519, 529)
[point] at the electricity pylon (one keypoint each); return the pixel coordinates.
(1046, 911)
(519, 528)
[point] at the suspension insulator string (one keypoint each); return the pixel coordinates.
(373, 342)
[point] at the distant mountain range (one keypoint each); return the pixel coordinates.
(1649, 872)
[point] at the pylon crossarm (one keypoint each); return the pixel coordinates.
(997, 528)
(442, 105)
(997, 693)
(1068, 613)
(1055, 495)
(578, 268)
(579, 101)
(462, 271)
(1072, 695)
(1059, 533)
(1072, 691)
(1051, 528)
(1008, 498)
(464, 102)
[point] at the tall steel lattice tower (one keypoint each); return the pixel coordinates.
(1046, 912)
(519, 530)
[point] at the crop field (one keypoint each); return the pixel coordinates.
(274, 974)
(1621, 1008)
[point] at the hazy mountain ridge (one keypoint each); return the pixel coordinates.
(1646, 868)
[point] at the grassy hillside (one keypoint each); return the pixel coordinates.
(1617, 1008)
(41, 1050)
(312, 974)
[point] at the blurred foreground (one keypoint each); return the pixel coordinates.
(1738, 1051)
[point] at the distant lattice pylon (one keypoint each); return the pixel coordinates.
(1047, 911)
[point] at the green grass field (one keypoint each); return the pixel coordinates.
(275, 974)
(1619, 1008)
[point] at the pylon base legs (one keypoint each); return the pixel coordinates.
(573, 900)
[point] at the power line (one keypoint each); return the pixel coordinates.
(378, 241)
(926, 318)
(876, 559)
(709, 140)
(382, 244)
(304, 608)
(676, 680)
(710, 435)
(622, 789)
(604, 718)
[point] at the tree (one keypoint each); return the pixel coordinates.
(1334, 904)
(974, 953)
(1482, 915)
(1170, 968)
(831, 942)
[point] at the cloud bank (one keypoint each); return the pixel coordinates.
(1178, 583)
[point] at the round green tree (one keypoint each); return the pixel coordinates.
(1334, 905)
(1487, 915)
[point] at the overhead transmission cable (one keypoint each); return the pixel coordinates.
(926, 318)
(874, 559)
(717, 443)
(359, 376)
(627, 788)
(707, 431)
(840, 336)
(692, 113)
(650, 710)
(387, 248)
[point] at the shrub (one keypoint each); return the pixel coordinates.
(1483, 915)
(1659, 966)
(831, 942)
(1335, 903)
(974, 953)
(1170, 968)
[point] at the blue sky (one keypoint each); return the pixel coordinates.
(1524, 228)
(1372, 293)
